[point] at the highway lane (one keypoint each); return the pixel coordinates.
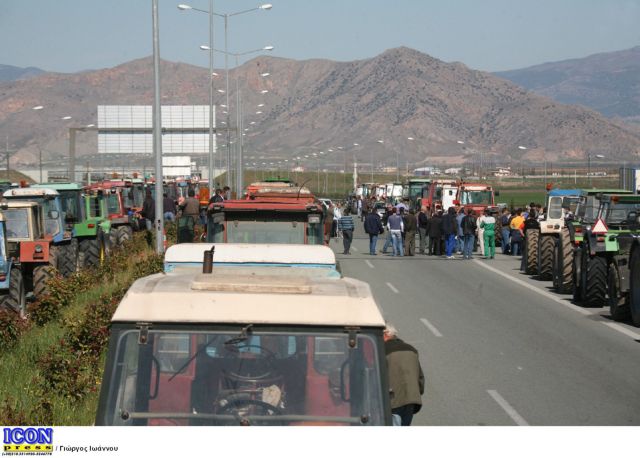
(497, 348)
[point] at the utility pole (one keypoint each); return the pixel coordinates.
(157, 130)
(8, 153)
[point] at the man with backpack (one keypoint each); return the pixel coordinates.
(469, 227)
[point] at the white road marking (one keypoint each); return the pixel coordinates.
(546, 294)
(367, 262)
(354, 248)
(515, 416)
(431, 327)
(392, 288)
(614, 326)
(622, 329)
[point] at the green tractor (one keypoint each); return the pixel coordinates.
(604, 218)
(623, 279)
(86, 216)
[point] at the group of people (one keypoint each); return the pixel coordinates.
(456, 231)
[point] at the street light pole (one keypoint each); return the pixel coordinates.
(211, 114)
(157, 131)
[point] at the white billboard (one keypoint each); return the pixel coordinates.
(127, 129)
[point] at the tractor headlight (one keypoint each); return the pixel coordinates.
(38, 248)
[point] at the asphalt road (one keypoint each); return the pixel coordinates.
(497, 347)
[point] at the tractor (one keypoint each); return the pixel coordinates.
(32, 250)
(12, 290)
(55, 227)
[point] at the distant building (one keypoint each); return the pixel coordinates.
(453, 171)
(502, 172)
(427, 171)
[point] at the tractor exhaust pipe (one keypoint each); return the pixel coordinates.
(207, 264)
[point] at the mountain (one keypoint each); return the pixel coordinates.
(607, 82)
(314, 105)
(11, 73)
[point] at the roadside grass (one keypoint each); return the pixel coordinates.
(20, 374)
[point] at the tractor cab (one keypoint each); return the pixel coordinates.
(54, 216)
(229, 349)
(271, 214)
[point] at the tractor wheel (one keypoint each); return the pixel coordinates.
(634, 302)
(68, 260)
(125, 234)
(532, 236)
(617, 301)
(15, 299)
(564, 263)
(545, 257)
(578, 275)
(113, 240)
(45, 272)
(89, 253)
(596, 285)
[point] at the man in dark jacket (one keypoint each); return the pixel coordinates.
(469, 226)
(410, 227)
(435, 234)
(423, 219)
(148, 210)
(168, 207)
(373, 227)
(449, 230)
(406, 379)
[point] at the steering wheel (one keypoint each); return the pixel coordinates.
(254, 369)
(254, 407)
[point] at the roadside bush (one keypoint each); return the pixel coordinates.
(11, 327)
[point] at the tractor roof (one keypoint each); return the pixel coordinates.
(273, 204)
(258, 299)
(622, 198)
(248, 253)
(30, 192)
(18, 204)
(59, 186)
(564, 192)
(593, 192)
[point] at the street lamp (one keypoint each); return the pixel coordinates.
(184, 7)
(239, 168)
(8, 152)
(598, 156)
(226, 16)
(381, 142)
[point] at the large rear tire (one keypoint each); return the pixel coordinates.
(634, 297)
(618, 305)
(68, 259)
(44, 272)
(563, 281)
(532, 237)
(15, 299)
(545, 257)
(125, 234)
(89, 253)
(578, 275)
(596, 286)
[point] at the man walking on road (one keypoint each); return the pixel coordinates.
(346, 226)
(373, 227)
(406, 379)
(395, 225)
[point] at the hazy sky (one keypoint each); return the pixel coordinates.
(72, 35)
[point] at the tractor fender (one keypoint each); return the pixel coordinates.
(621, 264)
(6, 283)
